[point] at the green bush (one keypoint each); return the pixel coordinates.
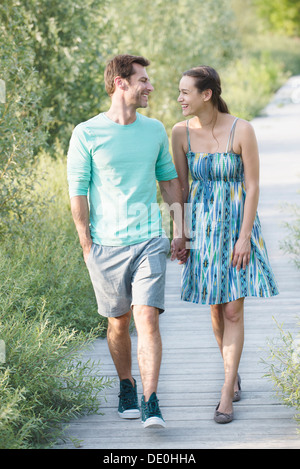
(250, 82)
(48, 316)
(48, 270)
(22, 125)
(291, 243)
(284, 368)
(12, 435)
(193, 33)
(282, 16)
(284, 364)
(64, 39)
(44, 263)
(44, 381)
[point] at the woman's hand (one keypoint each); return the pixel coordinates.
(178, 250)
(241, 253)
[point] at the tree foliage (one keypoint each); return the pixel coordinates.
(281, 15)
(174, 36)
(22, 121)
(52, 69)
(65, 42)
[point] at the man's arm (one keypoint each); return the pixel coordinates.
(80, 213)
(172, 195)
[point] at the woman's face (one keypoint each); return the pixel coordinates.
(190, 98)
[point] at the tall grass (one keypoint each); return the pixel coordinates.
(283, 367)
(49, 257)
(44, 381)
(48, 317)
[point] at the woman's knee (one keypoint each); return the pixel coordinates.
(234, 310)
(216, 311)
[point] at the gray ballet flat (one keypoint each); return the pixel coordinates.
(219, 417)
(238, 394)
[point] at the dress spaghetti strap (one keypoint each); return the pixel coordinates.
(231, 137)
(229, 147)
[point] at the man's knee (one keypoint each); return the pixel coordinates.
(120, 324)
(146, 317)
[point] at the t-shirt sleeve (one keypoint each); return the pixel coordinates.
(78, 164)
(165, 169)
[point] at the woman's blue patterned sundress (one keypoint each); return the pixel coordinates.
(216, 208)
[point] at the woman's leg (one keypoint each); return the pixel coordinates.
(230, 315)
(232, 346)
(218, 324)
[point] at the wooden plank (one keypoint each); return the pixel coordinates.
(192, 372)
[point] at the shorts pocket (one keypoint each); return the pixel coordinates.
(166, 244)
(90, 254)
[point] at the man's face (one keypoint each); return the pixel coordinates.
(139, 87)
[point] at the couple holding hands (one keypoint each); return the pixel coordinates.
(114, 161)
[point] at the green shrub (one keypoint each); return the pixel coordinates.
(44, 263)
(48, 316)
(284, 368)
(11, 435)
(291, 243)
(44, 380)
(48, 270)
(249, 84)
(284, 365)
(282, 16)
(22, 125)
(65, 41)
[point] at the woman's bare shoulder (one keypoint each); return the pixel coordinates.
(244, 131)
(244, 125)
(179, 127)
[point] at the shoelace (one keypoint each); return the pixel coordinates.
(153, 407)
(127, 395)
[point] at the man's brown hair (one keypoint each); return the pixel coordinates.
(121, 66)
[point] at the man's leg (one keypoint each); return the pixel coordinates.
(148, 285)
(149, 359)
(119, 343)
(149, 347)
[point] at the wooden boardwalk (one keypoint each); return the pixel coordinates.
(192, 373)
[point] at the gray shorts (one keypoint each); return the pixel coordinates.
(123, 276)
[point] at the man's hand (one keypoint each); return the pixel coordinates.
(86, 249)
(179, 250)
(80, 213)
(172, 195)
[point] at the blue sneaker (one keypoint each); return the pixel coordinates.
(128, 400)
(151, 414)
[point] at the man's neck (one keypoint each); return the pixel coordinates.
(121, 114)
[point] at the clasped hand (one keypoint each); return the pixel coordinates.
(179, 250)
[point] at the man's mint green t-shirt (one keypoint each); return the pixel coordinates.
(117, 167)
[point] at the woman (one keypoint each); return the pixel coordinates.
(227, 259)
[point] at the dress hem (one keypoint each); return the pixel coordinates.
(230, 301)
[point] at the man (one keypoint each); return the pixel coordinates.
(115, 159)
